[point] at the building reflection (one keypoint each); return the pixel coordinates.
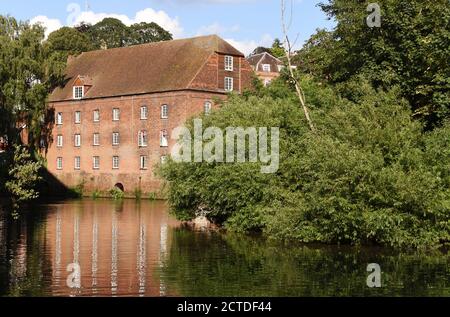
(120, 247)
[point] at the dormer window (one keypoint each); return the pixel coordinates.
(266, 68)
(78, 92)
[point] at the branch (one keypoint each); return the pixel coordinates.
(288, 52)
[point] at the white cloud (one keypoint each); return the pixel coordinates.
(216, 28)
(248, 46)
(50, 25)
(147, 15)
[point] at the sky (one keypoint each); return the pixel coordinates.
(246, 24)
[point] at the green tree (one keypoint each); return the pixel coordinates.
(69, 41)
(368, 175)
(25, 81)
(141, 33)
(277, 49)
(24, 176)
(410, 49)
(110, 33)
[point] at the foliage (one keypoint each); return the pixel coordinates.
(116, 193)
(96, 194)
(369, 175)
(77, 191)
(25, 80)
(410, 49)
(276, 50)
(24, 176)
(112, 33)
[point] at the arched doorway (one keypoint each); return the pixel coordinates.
(120, 186)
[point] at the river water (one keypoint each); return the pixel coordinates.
(131, 248)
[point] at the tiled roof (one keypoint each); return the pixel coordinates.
(147, 68)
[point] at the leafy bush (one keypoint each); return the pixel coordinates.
(116, 193)
(369, 175)
(23, 177)
(96, 194)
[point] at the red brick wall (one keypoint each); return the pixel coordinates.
(182, 105)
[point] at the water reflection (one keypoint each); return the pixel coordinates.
(117, 246)
(135, 249)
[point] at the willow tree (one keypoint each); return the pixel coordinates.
(26, 78)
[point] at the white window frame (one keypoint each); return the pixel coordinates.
(266, 68)
(96, 162)
(165, 111)
(164, 139)
(59, 163)
(116, 114)
(207, 107)
(115, 138)
(77, 140)
(59, 118)
(77, 163)
(78, 92)
(144, 112)
(229, 84)
(77, 117)
(96, 115)
(143, 138)
(229, 63)
(115, 162)
(59, 140)
(96, 139)
(143, 162)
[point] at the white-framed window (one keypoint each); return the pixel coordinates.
(77, 117)
(77, 140)
(59, 118)
(207, 107)
(164, 112)
(266, 68)
(96, 115)
(229, 84)
(142, 138)
(115, 138)
(115, 162)
(96, 139)
(96, 162)
(164, 159)
(78, 92)
(164, 140)
(229, 63)
(144, 162)
(59, 163)
(144, 113)
(116, 114)
(77, 163)
(59, 141)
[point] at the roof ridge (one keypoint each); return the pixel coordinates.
(215, 36)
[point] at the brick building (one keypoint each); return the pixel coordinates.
(115, 114)
(266, 66)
